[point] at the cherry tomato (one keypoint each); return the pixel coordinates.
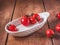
(37, 17)
(57, 28)
(58, 15)
(25, 21)
(33, 20)
(49, 33)
(12, 28)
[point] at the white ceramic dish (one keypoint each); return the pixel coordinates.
(23, 30)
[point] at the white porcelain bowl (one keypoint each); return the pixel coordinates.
(26, 30)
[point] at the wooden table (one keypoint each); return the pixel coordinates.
(12, 9)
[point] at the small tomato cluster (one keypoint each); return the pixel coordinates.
(27, 20)
(50, 32)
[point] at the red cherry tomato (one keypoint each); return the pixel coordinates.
(57, 28)
(37, 17)
(49, 33)
(33, 20)
(12, 28)
(58, 15)
(25, 21)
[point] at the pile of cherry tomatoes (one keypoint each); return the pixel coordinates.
(28, 20)
(50, 32)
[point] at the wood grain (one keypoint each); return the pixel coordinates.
(6, 8)
(53, 6)
(38, 38)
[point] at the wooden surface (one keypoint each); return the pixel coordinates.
(12, 9)
(6, 8)
(53, 6)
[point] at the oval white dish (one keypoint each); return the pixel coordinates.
(26, 30)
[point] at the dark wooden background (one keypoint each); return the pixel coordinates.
(12, 9)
